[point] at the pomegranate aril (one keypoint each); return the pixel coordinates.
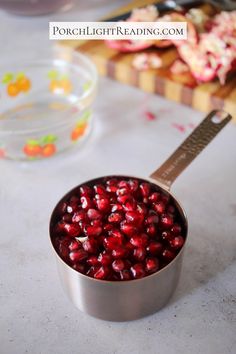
(72, 230)
(154, 197)
(103, 204)
(115, 217)
(154, 248)
(170, 210)
(63, 251)
(127, 228)
(111, 189)
(177, 242)
(166, 235)
(94, 214)
(133, 183)
(99, 189)
(67, 218)
(130, 204)
(85, 191)
(133, 217)
(86, 203)
(111, 242)
(116, 233)
(105, 258)
(118, 265)
(166, 220)
(79, 216)
(124, 184)
(92, 231)
(112, 182)
(139, 241)
(145, 189)
(119, 252)
(165, 198)
(152, 219)
(139, 253)
(92, 271)
(151, 264)
(74, 245)
(151, 230)
(168, 255)
(97, 223)
(102, 273)
(176, 229)
(61, 208)
(142, 209)
(81, 268)
(159, 207)
(78, 255)
(138, 271)
(92, 261)
(90, 246)
(125, 275)
(108, 227)
(123, 198)
(74, 199)
(116, 207)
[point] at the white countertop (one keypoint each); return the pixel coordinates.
(36, 317)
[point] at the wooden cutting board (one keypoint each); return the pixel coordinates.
(184, 88)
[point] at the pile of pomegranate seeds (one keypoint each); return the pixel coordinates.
(117, 229)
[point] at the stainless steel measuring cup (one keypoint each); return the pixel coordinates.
(129, 300)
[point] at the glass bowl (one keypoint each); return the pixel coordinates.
(46, 104)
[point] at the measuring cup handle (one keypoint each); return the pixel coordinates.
(191, 147)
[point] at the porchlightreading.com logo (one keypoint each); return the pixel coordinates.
(118, 30)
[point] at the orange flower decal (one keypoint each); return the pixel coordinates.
(59, 83)
(80, 127)
(16, 84)
(43, 147)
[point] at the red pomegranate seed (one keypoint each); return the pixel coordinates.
(176, 229)
(142, 209)
(119, 252)
(145, 189)
(123, 191)
(165, 198)
(151, 264)
(92, 231)
(78, 255)
(133, 217)
(79, 216)
(80, 268)
(177, 242)
(125, 275)
(116, 233)
(139, 253)
(127, 228)
(61, 208)
(115, 217)
(138, 271)
(112, 182)
(118, 265)
(67, 218)
(130, 204)
(92, 261)
(72, 230)
(90, 246)
(124, 184)
(111, 189)
(159, 207)
(99, 189)
(63, 251)
(133, 183)
(152, 219)
(86, 203)
(167, 220)
(139, 241)
(151, 230)
(103, 204)
(154, 197)
(94, 214)
(168, 255)
(123, 198)
(102, 273)
(105, 258)
(97, 223)
(108, 227)
(154, 248)
(92, 271)
(111, 242)
(166, 235)
(85, 191)
(116, 207)
(170, 209)
(74, 245)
